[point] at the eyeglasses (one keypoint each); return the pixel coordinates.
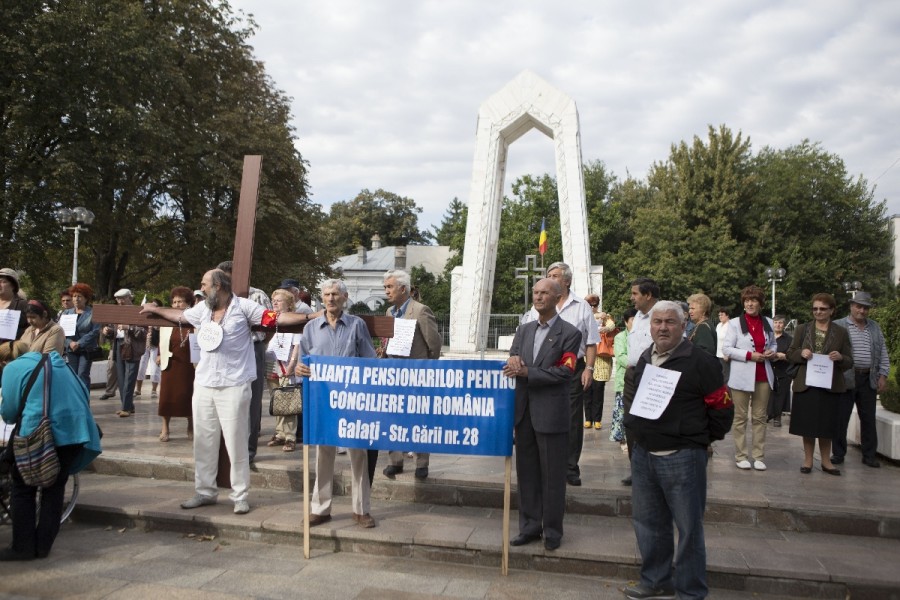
(821, 308)
(594, 305)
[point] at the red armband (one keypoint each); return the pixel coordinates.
(718, 399)
(568, 361)
(269, 318)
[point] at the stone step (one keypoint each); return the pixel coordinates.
(800, 512)
(740, 557)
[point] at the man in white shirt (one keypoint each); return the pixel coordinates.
(577, 312)
(644, 296)
(222, 383)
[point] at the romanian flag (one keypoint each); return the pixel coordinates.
(542, 241)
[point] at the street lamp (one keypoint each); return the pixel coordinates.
(774, 275)
(77, 219)
(851, 287)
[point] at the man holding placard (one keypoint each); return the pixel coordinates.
(416, 335)
(542, 359)
(680, 406)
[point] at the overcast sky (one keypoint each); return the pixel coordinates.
(386, 94)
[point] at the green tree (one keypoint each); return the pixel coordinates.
(142, 112)
(823, 226)
(394, 218)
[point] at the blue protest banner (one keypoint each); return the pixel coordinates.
(438, 406)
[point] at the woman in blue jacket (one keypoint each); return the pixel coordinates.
(77, 442)
(80, 347)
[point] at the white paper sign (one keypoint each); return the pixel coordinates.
(9, 323)
(655, 392)
(401, 343)
(819, 371)
(280, 345)
(68, 324)
(195, 348)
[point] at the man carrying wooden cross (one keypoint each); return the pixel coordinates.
(222, 384)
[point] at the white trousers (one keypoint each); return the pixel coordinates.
(221, 410)
(148, 361)
(320, 503)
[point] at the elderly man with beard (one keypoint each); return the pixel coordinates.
(668, 460)
(337, 333)
(222, 384)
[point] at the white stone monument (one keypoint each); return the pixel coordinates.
(524, 103)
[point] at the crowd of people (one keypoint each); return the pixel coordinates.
(740, 375)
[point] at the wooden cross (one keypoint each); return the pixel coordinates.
(242, 259)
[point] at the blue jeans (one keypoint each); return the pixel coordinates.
(666, 489)
(81, 364)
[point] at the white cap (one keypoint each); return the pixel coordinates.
(123, 292)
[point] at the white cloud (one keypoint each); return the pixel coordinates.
(386, 94)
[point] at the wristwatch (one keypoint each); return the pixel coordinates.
(589, 368)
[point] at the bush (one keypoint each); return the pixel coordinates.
(890, 397)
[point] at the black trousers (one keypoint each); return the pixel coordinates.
(33, 533)
(593, 401)
(576, 429)
(256, 395)
(864, 397)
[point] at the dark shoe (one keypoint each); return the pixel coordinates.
(777, 423)
(642, 592)
(806, 470)
(837, 460)
(872, 462)
(831, 471)
(8, 554)
(107, 396)
(422, 473)
(391, 471)
(551, 544)
(627, 481)
(315, 519)
(365, 521)
(573, 480)
(524, 538)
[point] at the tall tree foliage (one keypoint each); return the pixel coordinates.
(394, 218)
(142, 112)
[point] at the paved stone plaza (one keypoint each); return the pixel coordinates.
(770, 534)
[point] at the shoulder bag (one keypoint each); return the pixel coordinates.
(287, 400)
(36, 458)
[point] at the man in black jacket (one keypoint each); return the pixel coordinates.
(681, 405)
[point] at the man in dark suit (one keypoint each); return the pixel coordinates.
(542, 359)
(426, 344)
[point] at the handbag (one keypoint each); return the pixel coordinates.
(605, 347)
(36, 458)
(286, 401)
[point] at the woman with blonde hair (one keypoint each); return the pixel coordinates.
(702, 335)
(281, 371)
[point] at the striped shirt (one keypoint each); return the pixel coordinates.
(861, 340)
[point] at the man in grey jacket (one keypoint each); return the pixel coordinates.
(868, 377)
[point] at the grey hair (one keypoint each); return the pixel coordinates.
(221, 279)
(333, 283)
(565, 270)
(667, 306)
(401, 277)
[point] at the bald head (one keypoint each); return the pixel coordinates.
(545, 294)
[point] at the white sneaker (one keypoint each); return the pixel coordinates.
(759, 465)
(743, 464)
(241, 507)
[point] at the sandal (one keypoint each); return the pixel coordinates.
(289, 446)
(164, 437)
(276, 441)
